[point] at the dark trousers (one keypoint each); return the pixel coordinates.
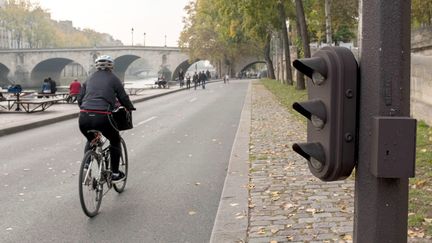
(94, 121)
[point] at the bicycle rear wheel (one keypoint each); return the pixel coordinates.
(90, 188)
(123, 166)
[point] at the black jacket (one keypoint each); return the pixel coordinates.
(100, 90)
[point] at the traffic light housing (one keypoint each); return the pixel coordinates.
(331, 112)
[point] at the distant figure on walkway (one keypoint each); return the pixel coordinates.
(53, 85)
(208, 74)
(195, 80)
(226, 79)
(181, 77)
(161, 82)
(74, 91)
(202, 77)
(45, 89)
(188, 81)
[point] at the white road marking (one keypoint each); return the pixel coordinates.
(145, 121)
(193, 99)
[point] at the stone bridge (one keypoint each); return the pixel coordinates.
(29, 67)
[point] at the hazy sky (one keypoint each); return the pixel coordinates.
(156, 18)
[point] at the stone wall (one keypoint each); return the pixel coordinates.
(421, 88)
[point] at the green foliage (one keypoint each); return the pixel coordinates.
(420, 198)
(344, 19)
(421, 13)
(286, 94)
(344, 34)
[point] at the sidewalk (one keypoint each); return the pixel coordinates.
(11, 122)
(287, 203)
(269, 195)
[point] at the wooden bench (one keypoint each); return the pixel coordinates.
(35, 105)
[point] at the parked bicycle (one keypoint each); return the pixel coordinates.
(95, 174)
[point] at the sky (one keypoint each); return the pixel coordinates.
(156, 18)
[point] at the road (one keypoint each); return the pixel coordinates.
(178, 151)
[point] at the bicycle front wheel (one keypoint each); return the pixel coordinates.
(123, 166)
(90, 186)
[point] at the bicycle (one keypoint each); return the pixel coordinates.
(96, 173)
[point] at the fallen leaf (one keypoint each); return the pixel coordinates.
(311, 210)
(347, 237)
(192, 212)
(262, 231)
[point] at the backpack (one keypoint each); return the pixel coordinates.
(15, 89)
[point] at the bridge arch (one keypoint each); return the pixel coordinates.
(122, 63)
(184, 66)
(48, 68)
(247, 66)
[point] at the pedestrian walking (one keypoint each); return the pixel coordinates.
(195, 80)
(181, 77)
(202, 78)
(188, 81)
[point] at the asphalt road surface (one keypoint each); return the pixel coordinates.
(178, 153)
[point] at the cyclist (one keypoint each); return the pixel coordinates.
(97, 100)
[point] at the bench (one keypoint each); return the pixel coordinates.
(35, 105)
(133, 91)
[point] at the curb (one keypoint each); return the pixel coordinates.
(11, 130)
(232, 217)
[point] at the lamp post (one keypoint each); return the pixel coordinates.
(132, 35)
(144, 38)
(165, 41)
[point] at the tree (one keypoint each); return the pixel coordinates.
(285, 40)
(421, 13)
(328, 18)
(302, 28)
(31, 25)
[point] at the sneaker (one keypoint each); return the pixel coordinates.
(117, 177)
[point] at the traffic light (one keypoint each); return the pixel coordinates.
(331, 112)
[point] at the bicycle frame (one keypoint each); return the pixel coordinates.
(104, 173)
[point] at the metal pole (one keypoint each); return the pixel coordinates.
(381, 205)
(144, 38)
(132, 35)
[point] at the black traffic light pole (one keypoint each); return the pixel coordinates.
(381, 204)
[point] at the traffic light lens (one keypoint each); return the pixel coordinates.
(317, 122)
(317, 78)
(315, 164)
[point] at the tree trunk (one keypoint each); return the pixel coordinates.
(285, 42)
(302, 29)
(267, 58)
(300, 84)
(328, 21)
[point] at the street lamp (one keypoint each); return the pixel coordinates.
(132, 35)
(144, 38)
(165, 40)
